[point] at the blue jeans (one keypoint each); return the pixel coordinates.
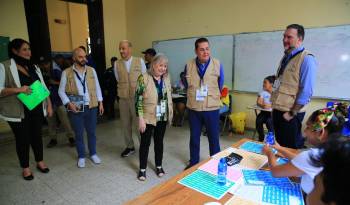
(210, 119)
(87, 120)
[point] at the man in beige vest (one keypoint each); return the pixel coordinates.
(127, 70)
(80, 81)
(293, 88)
(204, 81)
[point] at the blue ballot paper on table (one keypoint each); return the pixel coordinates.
(39, 94)
(254, 147)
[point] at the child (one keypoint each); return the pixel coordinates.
(330, 183)
(264, 102)
(320, 127)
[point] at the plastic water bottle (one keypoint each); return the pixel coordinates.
(222, 172)
(270, 138)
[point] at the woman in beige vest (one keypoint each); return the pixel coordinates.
(16, 75)
(154, 110)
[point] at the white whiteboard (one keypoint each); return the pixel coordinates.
(257, 55)
(179, 51)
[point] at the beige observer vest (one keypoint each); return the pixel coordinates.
(10, 106)
(283, 98)
(127, 81)
(212, 101)
(71, 86)
(150, 99)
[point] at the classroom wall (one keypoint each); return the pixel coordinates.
(114, 20)
(74, 32)
(13, 21)
(161, 20)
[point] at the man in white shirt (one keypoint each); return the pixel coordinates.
(127, 70)
(81, 80)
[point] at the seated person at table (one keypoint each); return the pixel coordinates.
(179, 104)
(263, 101)
(225, 100)
(331, 182)
(322, 126)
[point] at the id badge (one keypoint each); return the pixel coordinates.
(199, 96)
(162, 106)
(276, 84)
(204, 90)
(158, 113)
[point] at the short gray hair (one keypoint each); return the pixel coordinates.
(126, 41)
(160, 57)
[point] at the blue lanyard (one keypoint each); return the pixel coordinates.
(159, 87)
(286, 60)
(81, 81)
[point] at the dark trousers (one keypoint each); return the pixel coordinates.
(109, 104)
(288, 133)
(28, 133)
(158, 132)
(263, 117)
(210, 119)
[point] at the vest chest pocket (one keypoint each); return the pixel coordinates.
(288, 89)
(292, 68)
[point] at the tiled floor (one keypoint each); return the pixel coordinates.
(112, 182)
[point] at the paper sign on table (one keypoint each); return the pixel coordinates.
(206, 183)
(211, 166)
(250, 160)
(236, 200)
(290, 195)
(261, 177)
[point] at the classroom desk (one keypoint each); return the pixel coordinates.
(256, 109)
(171, 192)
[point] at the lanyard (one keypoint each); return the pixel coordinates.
(286, 60)
(201, 72)
(81, 81)
(159, 87)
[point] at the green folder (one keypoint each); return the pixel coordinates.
(39, 94)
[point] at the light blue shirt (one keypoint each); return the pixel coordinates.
(62, 88)
(265, 96)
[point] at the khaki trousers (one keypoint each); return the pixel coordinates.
(61, 113)
(129, 120)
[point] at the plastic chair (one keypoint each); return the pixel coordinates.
(227, 114)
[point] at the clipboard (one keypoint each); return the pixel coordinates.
(39, 94)
(78, 101)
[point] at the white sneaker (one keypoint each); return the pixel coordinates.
(81, 162)
(95, 159)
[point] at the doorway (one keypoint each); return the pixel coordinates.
(58, 26)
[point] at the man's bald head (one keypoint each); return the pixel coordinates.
(79, 56)
(125, 49)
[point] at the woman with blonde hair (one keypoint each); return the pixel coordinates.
(154, 109)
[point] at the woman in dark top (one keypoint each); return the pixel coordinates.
(16, 75)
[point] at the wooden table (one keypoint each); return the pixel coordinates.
(171, 192)
(256, 109)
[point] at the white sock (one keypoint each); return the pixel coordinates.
(142, 170)
(159, 167)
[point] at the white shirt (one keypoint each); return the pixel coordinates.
(55, 66)
(127, 66)
(303, 162)
(62, 88)
(266, 96)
